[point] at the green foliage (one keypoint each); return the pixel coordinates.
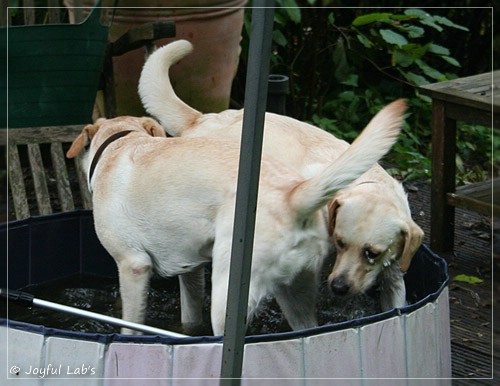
(344, 65)
(402, 38)
(476, 143)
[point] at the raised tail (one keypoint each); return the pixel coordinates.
(157, 94)
(371, 145)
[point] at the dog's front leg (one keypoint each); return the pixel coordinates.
(134, 275)
(192, 288)
(298, 301)
(392, 288)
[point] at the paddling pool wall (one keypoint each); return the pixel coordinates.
(411, 342)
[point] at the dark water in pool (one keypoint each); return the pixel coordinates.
(101, 295)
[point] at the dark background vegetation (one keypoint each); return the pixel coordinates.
(345, 60)
(345, 63)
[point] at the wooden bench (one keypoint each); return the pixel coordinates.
(34, 139)
(471, 100)
(37, 164)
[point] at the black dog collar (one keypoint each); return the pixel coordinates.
(103, 147)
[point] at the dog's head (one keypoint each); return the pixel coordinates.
(370, 233)
(95, 134)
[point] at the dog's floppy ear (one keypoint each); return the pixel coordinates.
(83, 139)
(413, 237)
(332, 214)
(153, 127)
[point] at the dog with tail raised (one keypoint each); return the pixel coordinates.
(369, 222)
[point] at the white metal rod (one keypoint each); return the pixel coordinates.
(106, 319)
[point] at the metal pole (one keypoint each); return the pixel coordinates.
(31, 300)
(247, 189)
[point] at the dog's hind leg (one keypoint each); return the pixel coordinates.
(298, 301)
(192, 288)
(134, 274)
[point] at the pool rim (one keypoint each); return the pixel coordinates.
(287, 335)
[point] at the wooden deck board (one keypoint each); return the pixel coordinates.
(483, 197)
(473, 337)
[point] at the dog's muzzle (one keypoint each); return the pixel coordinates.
(339, 286)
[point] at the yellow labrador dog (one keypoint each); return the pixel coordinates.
(167, 205)
(370, 222)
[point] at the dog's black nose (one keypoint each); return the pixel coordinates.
(339, 286)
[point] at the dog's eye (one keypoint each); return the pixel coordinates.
(370, 255)
(340, 243)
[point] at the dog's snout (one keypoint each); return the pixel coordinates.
(339, 286)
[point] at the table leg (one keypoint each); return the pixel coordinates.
(443, 178)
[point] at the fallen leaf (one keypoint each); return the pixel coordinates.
(468, 279)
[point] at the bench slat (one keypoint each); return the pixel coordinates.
(62, 178)
(16, 182)
(39, 179)
(54, 12)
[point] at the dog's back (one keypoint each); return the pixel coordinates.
(304, 147)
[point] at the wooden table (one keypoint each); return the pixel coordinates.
(475, 100)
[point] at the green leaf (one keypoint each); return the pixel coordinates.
(424, 17)
(279, 38)
(416, 12)
(459, 163)
(430, 22)
(415, 79)
(468, 279)
(443, 52)
(401, 17)
(423, 97)
(364, 40)
(280, 19)
(331, 18)
(429, 71)
(370, 18)
(294, 14)
(447, 22)
(413, 31)
(292, 10)
(403, 58)
(352, 80)
(451, 60)
(417, 51)
(347, 96)
(392, 37)
(438, 50)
